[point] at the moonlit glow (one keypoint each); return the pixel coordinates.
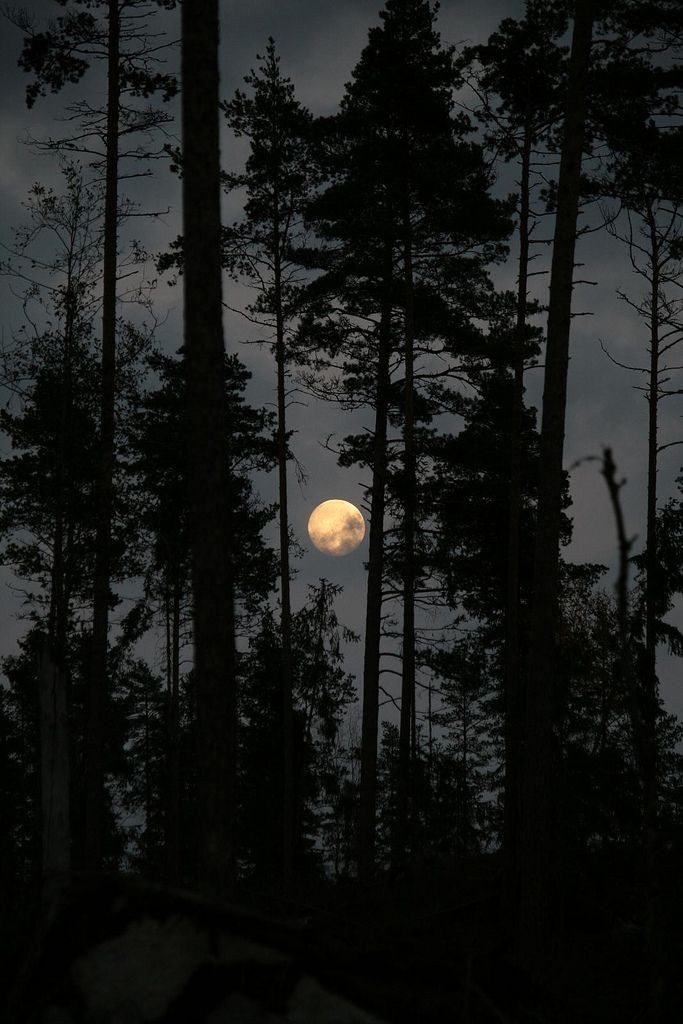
(336, 527)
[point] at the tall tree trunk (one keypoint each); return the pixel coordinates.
(373, 611)
(54, 774)
(173, 753)
(289, 798)
(649, 681)
(210, 540)
(97, 692)
(513, 688)
(536, 829)
(53, 679)
(58, 614)
(168, 858)
(465, 847)
(148, 790)
(404, 808)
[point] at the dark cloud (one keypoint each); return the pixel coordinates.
(319, 42)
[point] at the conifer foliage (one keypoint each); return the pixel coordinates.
(484, 824)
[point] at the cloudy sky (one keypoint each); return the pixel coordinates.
(319, 42)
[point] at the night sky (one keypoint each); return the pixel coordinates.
(319, 42)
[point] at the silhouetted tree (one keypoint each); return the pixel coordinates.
(210, 539)
(322, 694)
(519, 81)
(143, 784)
(536, 779)
(645, 177)
(278, 182)
(47, 522)
(158, 460)
(404, 282)
(56, 58)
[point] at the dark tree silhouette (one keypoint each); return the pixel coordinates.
(278, 182)
(60, 56)
(646, 179)
(519, 80)
(158, 459)
(212, 582)
(404, 183)
(536, 890)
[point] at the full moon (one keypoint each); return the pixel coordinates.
(336, 527)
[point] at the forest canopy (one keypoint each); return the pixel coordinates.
(451, 295)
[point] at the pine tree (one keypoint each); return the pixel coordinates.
(47, 525)
(143, 787)
(43, 482)
(322, 693)
(646, 178)
(404, 184)
(536, 777)
(158, 460)
(57, 58)
(519, 81)
(468, 672)
(467, 508)
(211, 541)
(278, 181)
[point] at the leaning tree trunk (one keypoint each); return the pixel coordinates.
(513, 688)
(536, 828)
(210, 525)
(97, 692)
(373, 612)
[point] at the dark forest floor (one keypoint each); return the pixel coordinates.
(436, 935)
(423, 948)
